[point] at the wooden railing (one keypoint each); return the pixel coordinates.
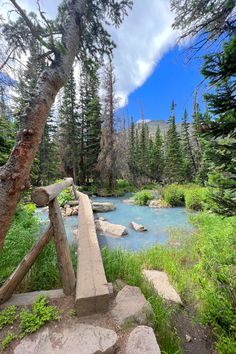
(43, 196)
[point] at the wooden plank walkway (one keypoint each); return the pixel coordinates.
(92, 291)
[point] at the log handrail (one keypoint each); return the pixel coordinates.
(41, 196)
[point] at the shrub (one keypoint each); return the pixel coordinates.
(195, 198)
(8, 339)
(143, 197)
(7, 316)
(64, 197)
(174, 195)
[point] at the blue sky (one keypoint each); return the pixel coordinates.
(173, 78)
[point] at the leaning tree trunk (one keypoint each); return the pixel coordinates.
(14, 175)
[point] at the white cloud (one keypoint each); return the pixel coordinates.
(144, 37)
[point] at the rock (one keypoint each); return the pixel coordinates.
(162, 285)
(75, 211)
(188, 338)
(109, 229)
(154, 204)
(102, 219)
(131, 305)
(119, 284)
(138, 227)
(130, 201)
(73, 203)
(69, 211)
(79, 339)
(142, 340)
(103, 207)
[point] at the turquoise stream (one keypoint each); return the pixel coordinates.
(157, 221)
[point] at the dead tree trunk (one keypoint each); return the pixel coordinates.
(14, 175)
(17, 276)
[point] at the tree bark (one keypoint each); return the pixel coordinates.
(14, 175)
(17, 276)
(43, 195)
(62, 248)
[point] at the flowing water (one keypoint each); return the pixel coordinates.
(157, 221)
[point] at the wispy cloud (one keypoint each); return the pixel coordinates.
(144, 37)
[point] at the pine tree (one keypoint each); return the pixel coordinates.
(156, 157)
(173, 170)
(132, 158)
(143, 152)
(70, 129)
(220, 69)
(189, 166)
(197, 121)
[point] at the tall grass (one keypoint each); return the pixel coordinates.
(23, 234)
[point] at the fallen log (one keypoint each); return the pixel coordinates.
(17, 276)
(41, 196)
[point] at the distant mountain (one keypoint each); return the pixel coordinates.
(153, 124)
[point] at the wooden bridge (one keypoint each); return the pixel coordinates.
(89, 286)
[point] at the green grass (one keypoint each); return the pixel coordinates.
(44, 274)
(202, 269)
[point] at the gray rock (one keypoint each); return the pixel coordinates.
(142, 340)
(79, 339)
(130, 201)
(110, 229)
(103, 207)
(162, 285)
(138, 227)
(119, 284)
(131, 305)
(69, 211)
(154, 204)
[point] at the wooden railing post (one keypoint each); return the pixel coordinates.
(62, 248)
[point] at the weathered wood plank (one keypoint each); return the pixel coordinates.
(43, 195)
(62, 248)
(92, 293)
(17, 276)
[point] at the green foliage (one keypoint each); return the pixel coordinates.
(19, 240)
(65, 196)
(8, 339)
(124, 186)
(143, 197)
(196, 197)
(7, 316)
(41, 312)
(174, 195)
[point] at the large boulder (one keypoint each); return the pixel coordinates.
(142, 340)
(103, 207)
(131, 305)
(110, 229)
(162, 285)
(79, 339)
(138, 227)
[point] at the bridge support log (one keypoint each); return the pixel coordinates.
(43, 195)
(17, 276)
(62, 248)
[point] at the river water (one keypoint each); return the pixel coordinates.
(159, 222)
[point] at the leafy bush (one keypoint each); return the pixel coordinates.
(195, 198)
(174, 195)
(143, 197)
(64, 197)
(32, 320)
(7, 316)
(8, 339)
